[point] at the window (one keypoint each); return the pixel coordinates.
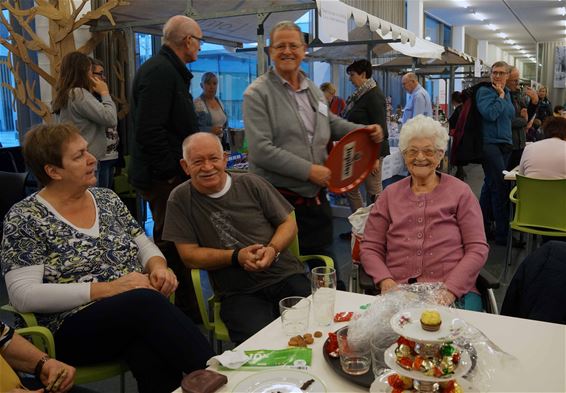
(8, 118)
(235, 72)
(146, 46)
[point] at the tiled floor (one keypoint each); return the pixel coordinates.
(341, 249)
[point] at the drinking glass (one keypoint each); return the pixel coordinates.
(294, 312)
(378, 344)
(354, 356)
(323, 285)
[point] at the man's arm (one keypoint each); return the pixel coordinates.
(196, 257)
(281, 239)
(23, 356)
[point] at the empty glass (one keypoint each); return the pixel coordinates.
(354, 356)
(323, 285)
(378, 344)
(294, 312)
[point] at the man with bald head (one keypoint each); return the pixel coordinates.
(164, 116)
(238, 227)
(418, 99)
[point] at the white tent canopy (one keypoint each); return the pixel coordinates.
(371, 27)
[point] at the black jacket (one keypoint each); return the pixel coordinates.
(467, 145)
(370, 109)
(537, 291)
(164, 115)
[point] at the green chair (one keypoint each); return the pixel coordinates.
(42, 338)
(210, 308)
(540, 209)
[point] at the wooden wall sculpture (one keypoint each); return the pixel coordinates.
(63, 16)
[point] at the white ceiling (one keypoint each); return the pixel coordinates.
(524, 21)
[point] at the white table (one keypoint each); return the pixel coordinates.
(529, 341)
(512, 174)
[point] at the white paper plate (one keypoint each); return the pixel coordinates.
(407, 323)
(284, 381)
(463, 366)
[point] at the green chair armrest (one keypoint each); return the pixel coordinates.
(329, 262)
(44, 334)
(28, 317)
(202, 304)
(513, 195)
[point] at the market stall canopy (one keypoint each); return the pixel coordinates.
(450, 57)
(222, 20)
(370, 27)
(345, 54)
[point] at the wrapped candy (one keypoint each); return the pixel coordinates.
(399, 382)
(403, 351)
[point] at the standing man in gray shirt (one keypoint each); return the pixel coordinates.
(288, 126)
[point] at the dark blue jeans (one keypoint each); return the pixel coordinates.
(105, 173)
(494, 198)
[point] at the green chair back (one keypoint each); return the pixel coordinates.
(541, 206)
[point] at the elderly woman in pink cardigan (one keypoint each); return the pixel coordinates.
(427, 227)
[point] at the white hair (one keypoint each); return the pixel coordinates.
(423, 127)
(176, 29)
(193, 138)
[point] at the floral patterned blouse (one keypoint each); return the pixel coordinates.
(33, 235)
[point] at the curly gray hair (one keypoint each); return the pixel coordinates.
(423, 127)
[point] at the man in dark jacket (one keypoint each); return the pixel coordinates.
(164, 116)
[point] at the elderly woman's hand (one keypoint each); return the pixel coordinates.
(387, 285)
(377, 132)
(445, 297)
(57, 376)
(164, 280)
(131, 281)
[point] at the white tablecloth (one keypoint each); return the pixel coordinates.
(540, 348)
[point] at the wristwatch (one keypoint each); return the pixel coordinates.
(277, 252)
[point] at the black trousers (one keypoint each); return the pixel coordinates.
(158, 342)
(246, 314)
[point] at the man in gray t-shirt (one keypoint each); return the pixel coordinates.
(237, 227)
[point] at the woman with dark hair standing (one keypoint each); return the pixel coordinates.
(366, 106)
(209, 109)
(75, 103)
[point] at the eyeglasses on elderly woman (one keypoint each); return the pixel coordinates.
(413, 152)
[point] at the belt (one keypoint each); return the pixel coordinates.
(299, 200)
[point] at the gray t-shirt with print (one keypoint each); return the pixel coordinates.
(247, 214)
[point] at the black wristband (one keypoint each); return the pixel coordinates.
(39, 366)
(235, 261)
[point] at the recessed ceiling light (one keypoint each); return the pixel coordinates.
(523, 51)
(502, 35)
(491, 27)
(509, 42)
(517, 47)
(478, 16)
(562, 11)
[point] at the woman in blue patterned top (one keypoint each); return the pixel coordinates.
(74, 255)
